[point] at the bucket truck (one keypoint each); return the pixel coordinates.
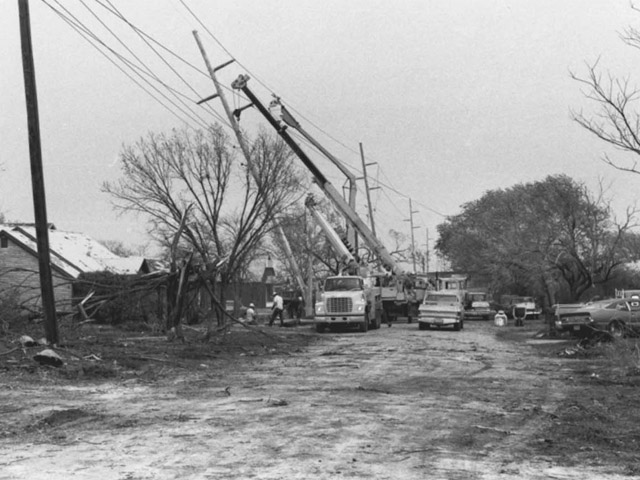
(346, 299)
(397, 293)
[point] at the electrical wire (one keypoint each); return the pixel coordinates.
(87, 37)
(146, 68)
(146, 39)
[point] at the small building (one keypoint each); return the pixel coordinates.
(70, 253)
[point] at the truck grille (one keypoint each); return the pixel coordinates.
(339, 305)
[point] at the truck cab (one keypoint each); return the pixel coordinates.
(348, 300)
(477, 306)
(509, 302)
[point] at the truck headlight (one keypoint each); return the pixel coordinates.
(319, 308)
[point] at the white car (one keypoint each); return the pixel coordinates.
(443, 308)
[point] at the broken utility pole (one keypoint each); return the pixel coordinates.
(233, 119)
(37, 177)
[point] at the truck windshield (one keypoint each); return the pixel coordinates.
(441, 298)
(477, 297)
(523, 300)
(336, 284)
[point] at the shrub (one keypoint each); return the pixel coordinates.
(9, 311)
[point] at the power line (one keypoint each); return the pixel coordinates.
(143, 36)
(149, 71)
(86, 35)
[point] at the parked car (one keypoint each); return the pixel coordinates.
(619, 317)
(575, 318)
(443, 308)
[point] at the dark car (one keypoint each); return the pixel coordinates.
(619, 317)
(576, 318)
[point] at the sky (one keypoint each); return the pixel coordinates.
(449, 99)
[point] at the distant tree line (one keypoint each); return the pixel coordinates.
(551, 238)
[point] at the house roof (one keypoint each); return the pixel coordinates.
(75, 253)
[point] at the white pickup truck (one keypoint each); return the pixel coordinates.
(443, 308)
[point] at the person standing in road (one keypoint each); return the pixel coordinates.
(519, 314)
(276, 309)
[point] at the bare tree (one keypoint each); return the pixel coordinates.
(616, 119)
(229, 212)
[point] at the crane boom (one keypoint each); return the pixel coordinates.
(287, 118)
(330, 191)
(346, 257)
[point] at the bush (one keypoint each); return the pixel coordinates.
(623, 354)
(10, 311)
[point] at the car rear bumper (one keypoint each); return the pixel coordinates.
(439, 320)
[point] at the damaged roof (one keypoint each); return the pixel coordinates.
(75, 253)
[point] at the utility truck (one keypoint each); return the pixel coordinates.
(349, 298)
(398, 297)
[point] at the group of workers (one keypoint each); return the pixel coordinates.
(277, 310)
(519, 313)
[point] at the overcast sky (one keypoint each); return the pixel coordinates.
(451, 99)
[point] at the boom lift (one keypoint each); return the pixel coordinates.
(398, 297)
(346, 299)
(346, 257)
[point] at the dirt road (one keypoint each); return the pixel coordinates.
(396, 403)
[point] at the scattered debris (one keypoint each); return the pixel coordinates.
(49, 357)
(27, 341)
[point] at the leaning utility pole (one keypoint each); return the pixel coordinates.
(37, 177)
(367, 188)
(233, 119)
(427, 254)
(413, 242)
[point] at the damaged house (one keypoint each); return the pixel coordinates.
(71, 255)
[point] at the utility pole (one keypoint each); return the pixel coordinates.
(233, 119)
(368, 189)
(427, 253)
(37, 177)
(413, 242)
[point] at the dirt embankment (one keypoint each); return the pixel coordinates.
(392, 403)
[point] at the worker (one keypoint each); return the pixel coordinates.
(276, 309)
(519, 314)
(500, 320)
(250, 314)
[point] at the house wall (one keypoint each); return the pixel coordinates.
(19, 276)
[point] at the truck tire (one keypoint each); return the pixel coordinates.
(457, 326)
(320, 328)
(423, 326)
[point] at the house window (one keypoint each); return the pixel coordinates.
(4, 242)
